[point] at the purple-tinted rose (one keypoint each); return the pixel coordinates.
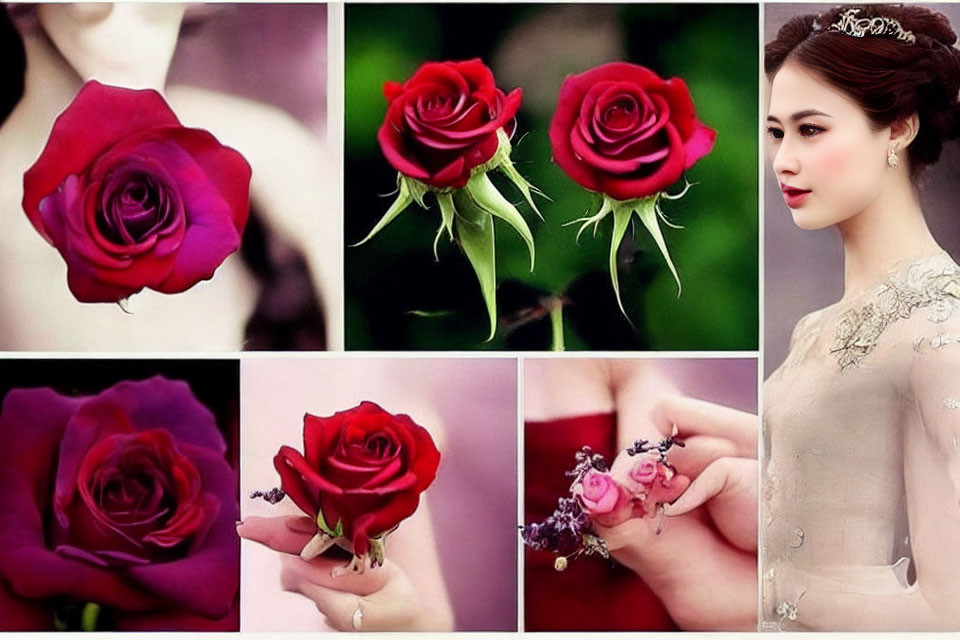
(123, 499)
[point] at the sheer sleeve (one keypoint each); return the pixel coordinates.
(920, 590)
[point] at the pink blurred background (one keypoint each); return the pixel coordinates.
(473, 502)
(232, 48)
(730, 382)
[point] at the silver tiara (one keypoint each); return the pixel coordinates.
(882, 26)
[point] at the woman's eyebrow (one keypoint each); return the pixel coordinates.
(800, 115)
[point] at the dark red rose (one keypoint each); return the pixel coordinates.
(123, 499)
(621, 130)
(364, 468)
(443, 121)
(132, 199)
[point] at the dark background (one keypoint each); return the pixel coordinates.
(215, 383)
(392, 278)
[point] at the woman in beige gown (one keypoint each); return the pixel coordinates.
(860, 493)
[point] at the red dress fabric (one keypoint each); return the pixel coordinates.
(592, 594)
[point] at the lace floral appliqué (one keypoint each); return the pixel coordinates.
(859, 330)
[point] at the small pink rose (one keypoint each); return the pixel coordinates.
(645, 471)
(607, 502)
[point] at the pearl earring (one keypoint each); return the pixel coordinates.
(892, 160)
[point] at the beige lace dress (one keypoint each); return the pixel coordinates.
(860, 490)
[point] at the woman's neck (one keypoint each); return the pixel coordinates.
(50, 82)
(891, 230)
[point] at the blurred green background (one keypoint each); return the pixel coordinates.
(399, 297)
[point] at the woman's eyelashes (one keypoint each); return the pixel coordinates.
(809, 130)
(803, 130)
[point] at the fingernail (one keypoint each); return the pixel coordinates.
(238, 523)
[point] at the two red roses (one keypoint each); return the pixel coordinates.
(618, 129)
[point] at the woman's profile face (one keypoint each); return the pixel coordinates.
(830, 163)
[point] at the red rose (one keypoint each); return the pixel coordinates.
(621, 130)
(124, 500)
(363, 469)
(131, 199)
(443, 122)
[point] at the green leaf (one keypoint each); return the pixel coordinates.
(473, 228)
(487, 197)
(621, 219)
(404, 200)
(646, 209)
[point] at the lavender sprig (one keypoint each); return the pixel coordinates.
(645, 446)
(273, 496)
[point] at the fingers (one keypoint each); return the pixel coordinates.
(698, 452)
(286, 534)
(698, 417)
(728, 489)
(384, 595)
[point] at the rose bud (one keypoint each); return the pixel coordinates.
(131, 199)
(622, 131)
(645, 471)
(361, 473)
(605, 499)
(648, 480)
(121, 503)
(445, 129)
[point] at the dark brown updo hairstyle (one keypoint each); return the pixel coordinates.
(890, 79)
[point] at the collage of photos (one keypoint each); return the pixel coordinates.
(485, 317)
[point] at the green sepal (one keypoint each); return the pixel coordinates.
(89, 616)
(378, 551)
(648, 211)
(447, 213)
(404, 200)
(486, 196)
(621, 220)
(502, 161)
(474, 231)
(323, 526)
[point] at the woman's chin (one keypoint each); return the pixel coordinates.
(808, 221)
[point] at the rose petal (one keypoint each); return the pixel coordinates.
(216, 560)
(388, 516)
(699, 144)
(32, 423)
(99, 117)
(23, 615)
(625, 188)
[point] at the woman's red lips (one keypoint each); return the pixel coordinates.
(794, 196)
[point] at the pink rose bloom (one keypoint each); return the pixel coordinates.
(648, 481)
(606, 500)
(645, 471)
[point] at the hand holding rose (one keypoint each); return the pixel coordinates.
(361, 474)
(703, 564)
(386, 598)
